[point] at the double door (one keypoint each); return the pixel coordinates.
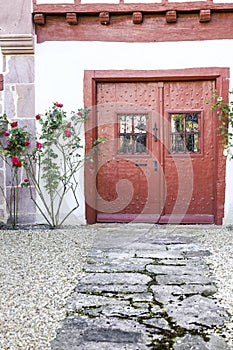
(158, 162)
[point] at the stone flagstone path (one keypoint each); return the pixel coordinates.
(145, 287)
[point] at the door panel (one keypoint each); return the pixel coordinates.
(128, 178)
(189, 171)
(158, 162)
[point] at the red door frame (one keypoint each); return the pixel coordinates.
(93, 77)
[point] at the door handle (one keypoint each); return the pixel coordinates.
(155, 129)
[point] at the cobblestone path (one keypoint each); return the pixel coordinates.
(145, 287)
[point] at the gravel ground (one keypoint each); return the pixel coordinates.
(219, 241)
(39, 269)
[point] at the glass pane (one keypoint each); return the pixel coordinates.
(125, 124)
(132, 133)
(140, 143)
(192, 130)
(126, 144)
(177, 121)
(177, 143)
(185, 128)
(140, 123)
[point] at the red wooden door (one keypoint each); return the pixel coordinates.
(189, 152)
(129, 172)
(158, 162)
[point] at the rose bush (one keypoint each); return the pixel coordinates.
(51, 159)
(14, 146)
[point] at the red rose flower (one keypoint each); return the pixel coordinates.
(6, 133)
(67, 133)
(37, 117)
(80, 114)
(39, 145)
(14, 124)
(26, 143)
(26, 180)
(16, 162)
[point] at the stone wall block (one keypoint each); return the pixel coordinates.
(2, 184)
(29, 123)
(1, 103)
(9, 175)
(27, 209)
(26, 100)
(2, 215)
(20, 70)
(16, 17)
(9, 104)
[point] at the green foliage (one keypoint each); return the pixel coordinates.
(225, 114)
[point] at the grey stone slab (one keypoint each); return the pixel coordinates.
(115, 278)
(191, 261)
(79, 332)
(137, 297)
(158, 254)
(184, 247)
(110, 254)
(183, 279)
(174, 270)
(197, 253)
(170, 239)
(196, 311)
(112, 288)
(195, 342)
(156, 322)
(120, 310)
(107, 346)
(167, 293)
(114, 265)
(82, 300)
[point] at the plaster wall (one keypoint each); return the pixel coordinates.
(60, 68)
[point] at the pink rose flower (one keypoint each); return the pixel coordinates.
(59, 105)
(67, 133)
(39, 145)
(6, 133)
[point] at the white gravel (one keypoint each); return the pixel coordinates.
(40, 268)
(219, 241)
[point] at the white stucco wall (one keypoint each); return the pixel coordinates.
(59, 70)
